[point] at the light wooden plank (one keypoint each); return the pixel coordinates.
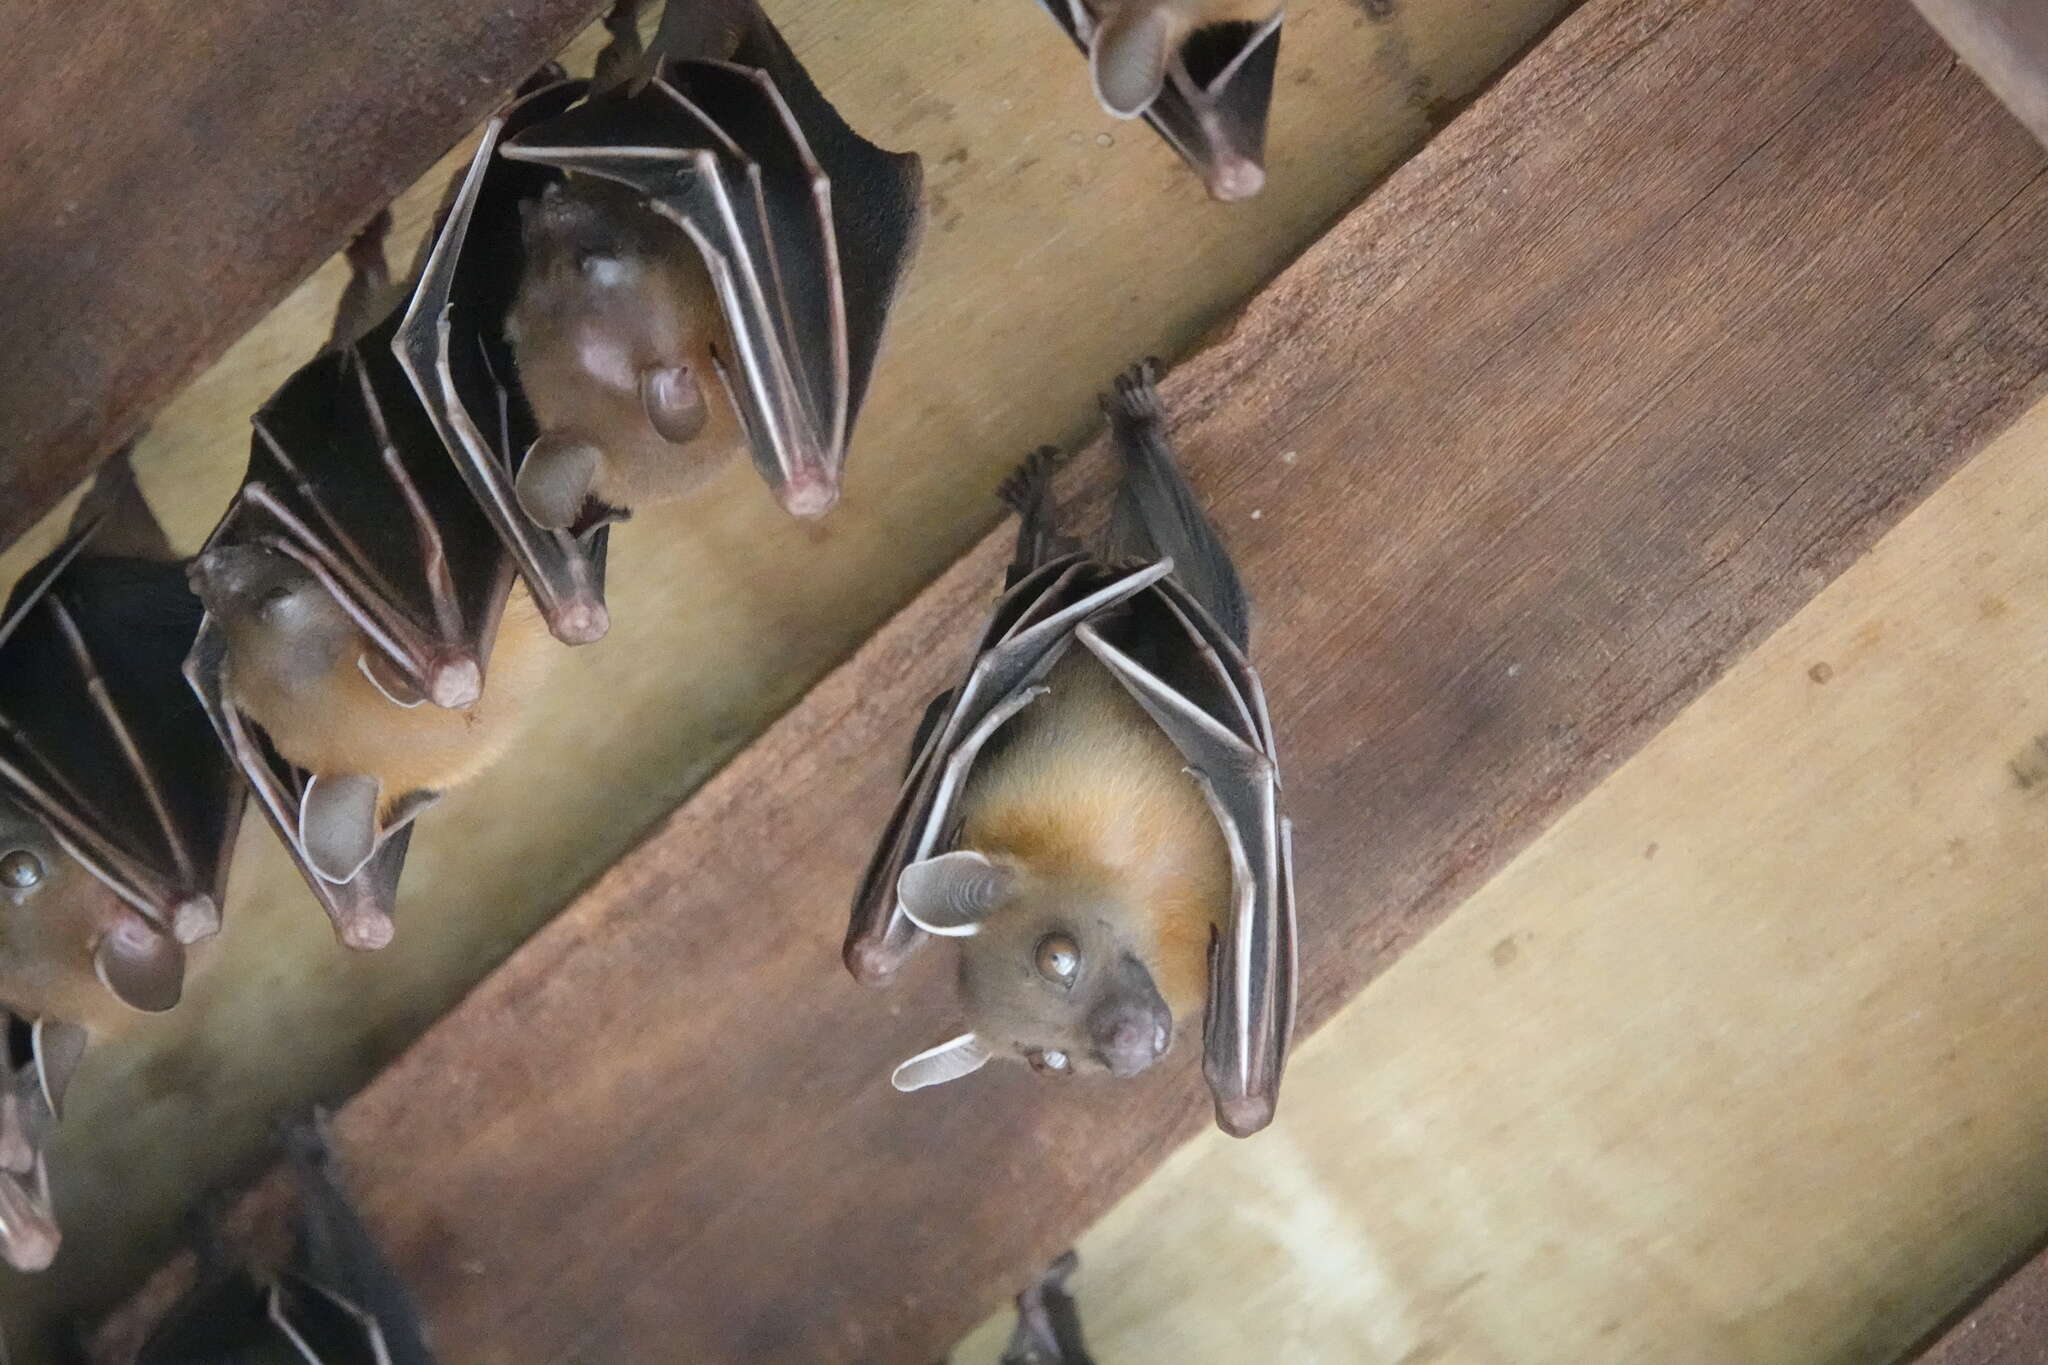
(1666, 359)
(1740, 1063)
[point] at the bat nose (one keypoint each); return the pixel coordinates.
(1132, 1028)
(28, 1235)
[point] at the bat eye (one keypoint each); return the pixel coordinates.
(1050, 1061)
(21, 870)
(1058, 959)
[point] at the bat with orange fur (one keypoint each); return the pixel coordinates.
(364, 648)
(118, 815)
(689, 259)
(1093, 813)
(1199, 71)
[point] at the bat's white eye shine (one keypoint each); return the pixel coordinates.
(1050, 1060)
(21, 870)
(1058, 958)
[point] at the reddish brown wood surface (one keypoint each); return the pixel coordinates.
(1594, 392)
(2009, 1326)
(171, 170)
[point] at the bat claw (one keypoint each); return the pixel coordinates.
(195, 918)
(1233, 178)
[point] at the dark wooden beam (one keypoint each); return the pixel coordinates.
(2006, 1325)
(172, 170)
(1592, 394)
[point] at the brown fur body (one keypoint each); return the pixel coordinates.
(610, 292)
(1092, 805)
(324, 715)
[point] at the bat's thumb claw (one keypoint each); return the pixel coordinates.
(1242, 1115)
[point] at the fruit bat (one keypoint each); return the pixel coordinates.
(1048, 1322)
(336, 1302)
(692, 257)
(1199, 71)
(118, 814)
(1099, 826)
(355, 595)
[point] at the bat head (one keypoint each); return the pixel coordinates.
(283, 627)
(1051, 970)
(616, 332)
(61, 927)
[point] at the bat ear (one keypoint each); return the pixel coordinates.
(674, 403)
(338, 824)
(143, 967)
(949, 1061)
(1128, 58)
(556, 479)
(953, 893)
(57, 1049)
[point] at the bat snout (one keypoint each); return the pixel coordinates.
(1132, 1028)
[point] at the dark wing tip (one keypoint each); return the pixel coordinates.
(1243, 1115)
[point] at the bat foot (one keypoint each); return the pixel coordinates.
(195, 918)
(1134, 399)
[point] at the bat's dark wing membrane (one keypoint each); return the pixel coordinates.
(804, 227)
(348, 479)
(323, 1327)
(1218, 90)
(1188, 674)
(1032, 626)
(101, 744)
(452, 347)
(877, 213)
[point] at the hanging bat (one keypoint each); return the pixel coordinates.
(694, 258)
(1048, 1322)
(1099, 826)
(336, 1302)
(355, 593)
(1199, 71)
(118, 815)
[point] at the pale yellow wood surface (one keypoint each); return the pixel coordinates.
(1744, 1061)
(1061, 245)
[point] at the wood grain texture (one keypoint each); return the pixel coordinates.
(725, 609)
(2006, 1325)
(1590, 395)
(2006, 43)
(173, 169)
(1738, 1063)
